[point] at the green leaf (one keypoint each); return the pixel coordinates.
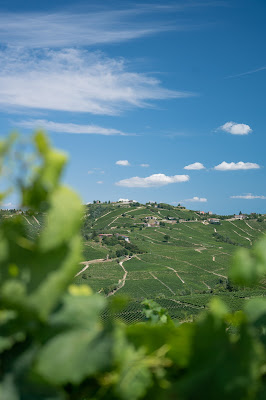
(63, 220)
(153, 337)
(79, 311)
(75, 355)
(243, 271)
(255, 310)
(7, 389)
(134, 374)
(45, 297)
(46, 177)
(249, 266)
(220, 367)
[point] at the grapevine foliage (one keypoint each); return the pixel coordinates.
(55, 346)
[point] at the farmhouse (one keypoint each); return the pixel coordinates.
(126, 201)
(126, 238)
(214, 221)
(152, 224)
(240, 216)
(101, 235)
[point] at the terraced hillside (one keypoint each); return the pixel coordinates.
(170, 254)
(175, 256)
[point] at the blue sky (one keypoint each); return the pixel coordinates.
(153, 101)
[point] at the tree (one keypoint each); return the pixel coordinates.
(166, 238)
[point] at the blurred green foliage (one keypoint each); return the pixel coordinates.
(55, 346)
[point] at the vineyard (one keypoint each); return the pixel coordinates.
(181, 265)
(182, 262)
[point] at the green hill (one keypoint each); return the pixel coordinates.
(175, 256)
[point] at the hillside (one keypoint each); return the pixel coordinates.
(173, 255)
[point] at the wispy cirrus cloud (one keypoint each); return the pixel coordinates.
(195, 166)
(236, 129)
(87, 28)
(144, 165)
(252, 71)
(248, 196)
(52, 126)
(75, 80)
(90, 27)
(154, 180)
(224, 166)
(196, 199)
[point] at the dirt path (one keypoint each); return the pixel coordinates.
(114, 220)
(253, 228)
(96, 219)
(184, 223)
(138, 208)
(238, 227)
(206, 285)
(27, 220)
(187, 304)
(199, 250)
(203, 269)
(121, 282)
(244, 237)
(36, 220)
(155, 277)
(250, 226)
(87, 264)
(176, 274)
(152, 239)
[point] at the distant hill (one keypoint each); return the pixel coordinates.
(176, 256)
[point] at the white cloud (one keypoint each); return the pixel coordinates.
(8, 205)
(196, 199)
(74, 80)
(144, 165)
(224, 166)
(248, 196)
(123, 163)
(63, 29)
(236, 129)
(195, 166)
(95, 171)
(100, 182)
(68, 127)
(152, 181)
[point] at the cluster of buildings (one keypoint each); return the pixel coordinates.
(151, 222)
(215, 221)
(240, 216)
